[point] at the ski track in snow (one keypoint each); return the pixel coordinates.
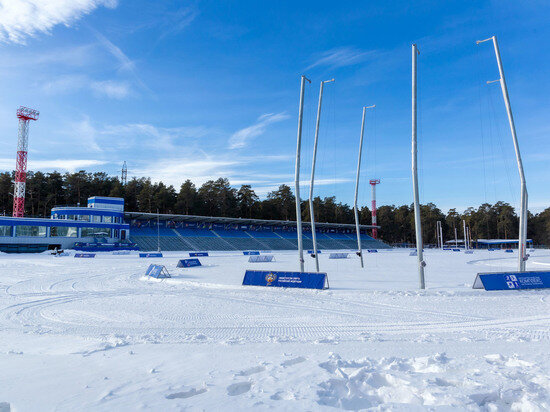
(60, 312)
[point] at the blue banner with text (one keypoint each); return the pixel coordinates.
(512, 280)
(150, 255)
(307, 280)
(84, 255)
(188, 263)
(198, 254)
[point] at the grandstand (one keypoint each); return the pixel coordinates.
(185, 232)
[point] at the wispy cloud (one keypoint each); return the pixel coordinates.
(74, 83)
(177, 21)
(151, 136)
(20, 19)
(125, 63)
(242, 137)
(111, 89)
(340, 57)
(69, 165)
(176, 171)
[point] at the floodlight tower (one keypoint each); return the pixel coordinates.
(373, 183)
(25, 115)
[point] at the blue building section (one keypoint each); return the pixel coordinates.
(98, 227)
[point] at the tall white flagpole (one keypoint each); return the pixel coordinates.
(417, 222)
(297, 174)
(355, 209)
(522, 246)
(312, 181)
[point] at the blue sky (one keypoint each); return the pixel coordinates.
(205, 89)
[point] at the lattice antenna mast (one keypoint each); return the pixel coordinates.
(124, 174)
(25, 115)
(373, 183)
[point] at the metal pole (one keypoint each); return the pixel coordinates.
(158, 231)
(522, 241)
(297, 174)
(456, 239)
(465, 235)
(441, 233)
(355, 210)
(417, 223)
(311, 209)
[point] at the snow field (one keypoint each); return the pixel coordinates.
(95, 334)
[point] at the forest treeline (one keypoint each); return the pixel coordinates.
(218, 198)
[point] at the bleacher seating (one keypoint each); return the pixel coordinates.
(173, 239)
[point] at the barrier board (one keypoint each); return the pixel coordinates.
(150, 255)
(262, 258)
(157, 272)
(188, 263)
(456, 250)
(251, 252)
(62, 254)
(121, 252)
(338, 256)
(84, 255)
(447, 248)
(413, 253)
(512, 280)
(469, 252)
(198, 254)
(306, 280)
(372, 250)
(509, 251)
(312, 251)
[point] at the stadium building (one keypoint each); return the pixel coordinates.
(104, 226)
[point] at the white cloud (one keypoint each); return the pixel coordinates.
(73, 83)
(111, 89)
(340, 57)
(175, 171)
(85, 134)
(241, 138)
(177, 21)
(20, 19)
(70, 165)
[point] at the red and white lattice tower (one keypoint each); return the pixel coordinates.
(25, 115)
(373, 183)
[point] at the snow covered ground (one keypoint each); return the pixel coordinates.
(94, 334)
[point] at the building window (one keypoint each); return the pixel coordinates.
(84, 218)
(30, 231)
(96, 218)
(107, 219)
(63, 231)
(5, 230)
(95, 232)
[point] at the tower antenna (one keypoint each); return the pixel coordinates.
(25, 115)
(124, 174)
